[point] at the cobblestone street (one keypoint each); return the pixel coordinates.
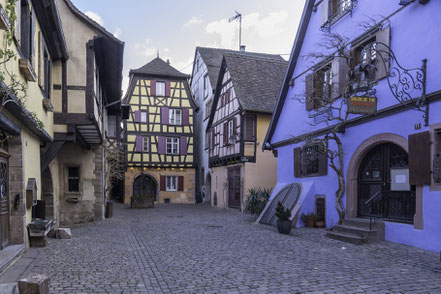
(198, 249)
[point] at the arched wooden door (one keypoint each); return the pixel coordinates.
(374, 179)
(144, 192)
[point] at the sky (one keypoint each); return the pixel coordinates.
(176, 27)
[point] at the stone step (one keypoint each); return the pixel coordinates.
(348, 238)
(356, 231)
(358, 222)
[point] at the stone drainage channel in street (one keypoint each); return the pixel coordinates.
(200, 249)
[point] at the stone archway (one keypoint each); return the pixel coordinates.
(145, 191)
(354, 165)
(48, 193)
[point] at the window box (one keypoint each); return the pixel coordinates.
(4, 20)
(27, 70)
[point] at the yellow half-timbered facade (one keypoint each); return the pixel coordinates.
(159, 136)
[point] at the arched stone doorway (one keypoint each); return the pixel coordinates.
(207, 194)
(355, 164)
(144, 192)
(48, 193)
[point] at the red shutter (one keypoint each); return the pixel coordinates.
(323, 162)
(163, 183)
(167, 89)
(180, 183)
(235, 126)
(137, 116)
(298, 162)
(309, 90)
(213, 138)
(164, 115)
(249, 128)
(227, 96)
(161, 145)
(152, 88)
(183, 145)
(185, 117)
(225, 133)
(419, 159)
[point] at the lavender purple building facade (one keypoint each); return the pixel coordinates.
(390, 68)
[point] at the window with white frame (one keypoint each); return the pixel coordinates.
(172, 183)
(231, 132)
(145, 144)
(143, 116)
(172, 145)
(175, 116)
(160, 88)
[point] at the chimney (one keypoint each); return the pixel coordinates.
(168, 61)
(242, 48)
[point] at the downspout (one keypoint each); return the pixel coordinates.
(102, 183)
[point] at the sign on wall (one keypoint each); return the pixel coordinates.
(399, 179)
(362, 105)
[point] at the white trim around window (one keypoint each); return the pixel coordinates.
(160, 88)
(175, 116)
(172, 183)
(172, 145)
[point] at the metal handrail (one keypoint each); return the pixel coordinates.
(369, 202)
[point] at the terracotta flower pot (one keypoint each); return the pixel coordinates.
(310, 222)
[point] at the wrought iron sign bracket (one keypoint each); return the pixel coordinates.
(408, 86)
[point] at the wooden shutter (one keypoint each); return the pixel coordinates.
(298, 162)
(25, 30)
(185, 117)
(161, 145)
(138, 144)
(137, 116)
(235, 126)
(322, 162)
(382, 38)
(32, 38)
(167, 89)
(41, 63)
(225, 133)
(183, 145)
(250, 130)
(325, 11)
(18, 22)
(152, 88)
(163, 183)
(309, 90)
(164, 115)
(213, 138)
(419, 159)
(340, 70)
(180, 183)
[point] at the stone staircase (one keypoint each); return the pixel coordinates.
(357, 231)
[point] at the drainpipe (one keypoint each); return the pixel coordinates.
(103, 204)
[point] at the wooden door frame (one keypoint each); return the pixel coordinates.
(229, 169)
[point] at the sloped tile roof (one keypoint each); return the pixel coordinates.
(159, 67)
(212, 58)
(256, 79)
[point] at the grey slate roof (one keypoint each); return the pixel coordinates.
(256, 79)
(159, 67)
(212, 58)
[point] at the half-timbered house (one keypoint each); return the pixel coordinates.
(160, 136)
(244, 99)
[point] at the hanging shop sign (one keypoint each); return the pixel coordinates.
(362, 105)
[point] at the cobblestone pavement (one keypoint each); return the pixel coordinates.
(198, 249)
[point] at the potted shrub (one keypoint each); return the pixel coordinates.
(309, 219)
(284, 223)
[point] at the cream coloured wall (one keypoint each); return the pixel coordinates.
(262, 173)
(53, 167)
(219, 186)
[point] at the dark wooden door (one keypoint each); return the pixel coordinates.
(234, 187)
(144, 192)
(374, 179)
(4, 203)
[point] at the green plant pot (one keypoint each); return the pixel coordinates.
(284, 226)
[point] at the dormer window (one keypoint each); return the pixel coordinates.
(160, 88)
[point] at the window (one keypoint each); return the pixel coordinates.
(369, 53)
(208, 107)
(145, 144)
(172, 145)
(73, 179)
(26, 29)
(437, 157)
(175, 117)
(231, 131)
(250, 128)
(143, 116)
(310, 160)
(319, 87)
(160, 88)
(206, 86)
(172, 183)
(111, 125)
(339, 7)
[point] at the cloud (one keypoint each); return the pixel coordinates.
(255, 28)
(145, 48)
(95, 16)
(117, 32)
(192, 21)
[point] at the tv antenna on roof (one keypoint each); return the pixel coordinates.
(238, 16)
